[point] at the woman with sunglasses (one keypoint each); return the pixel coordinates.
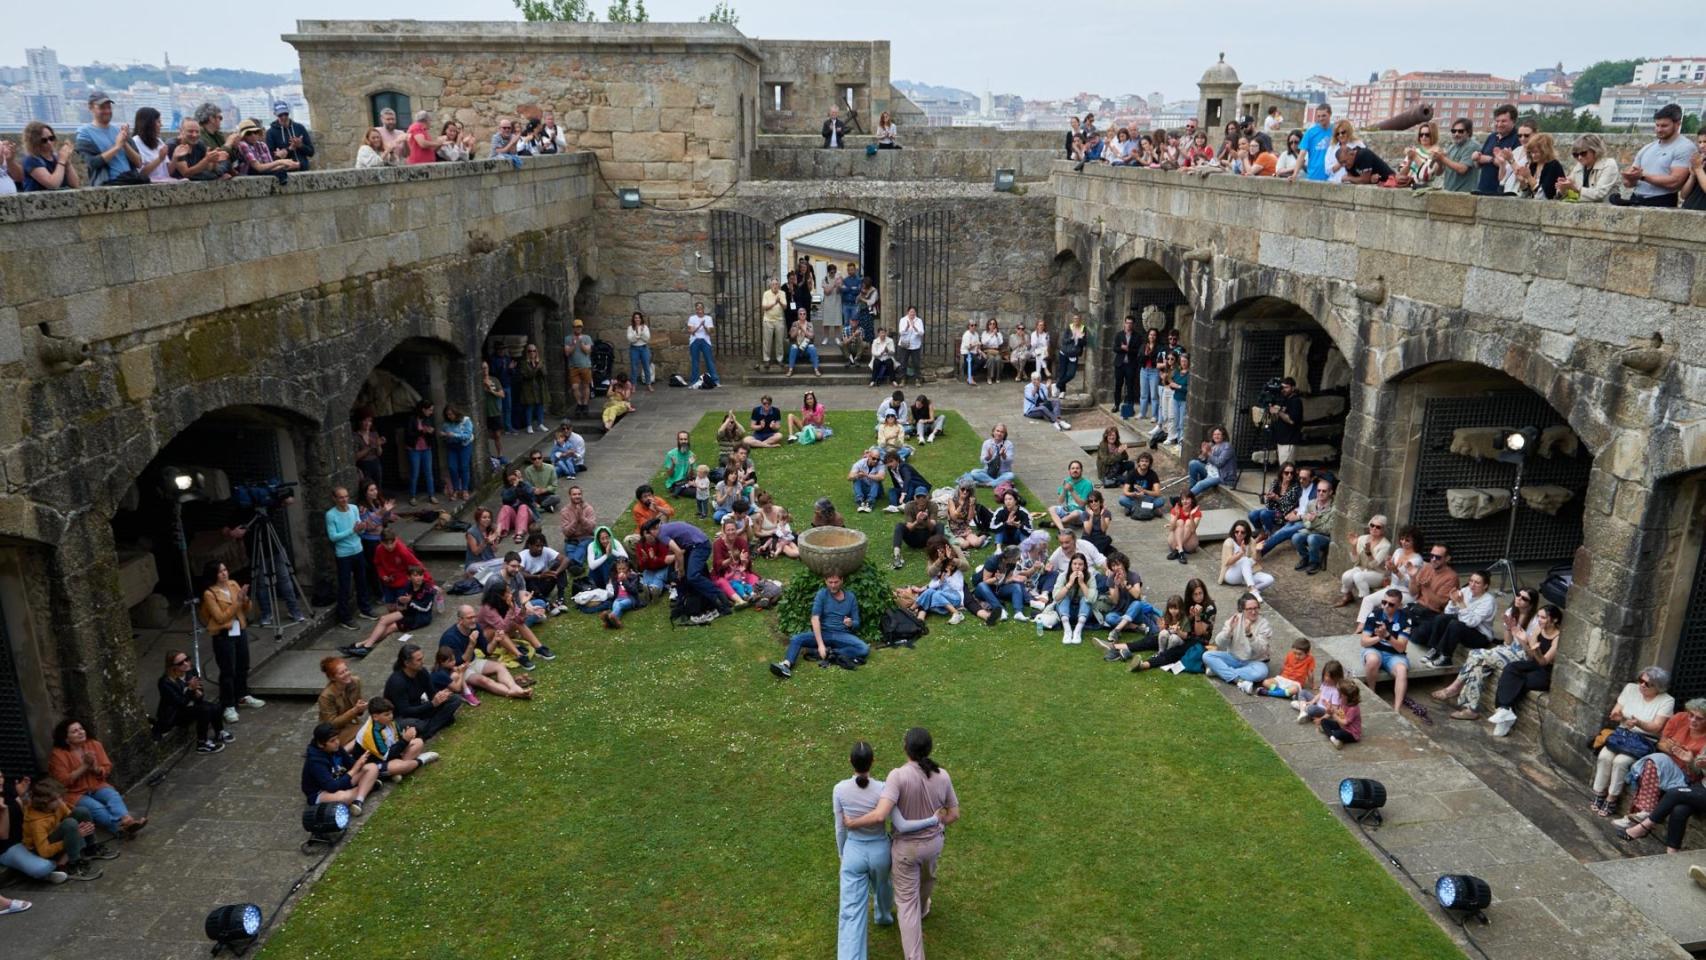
(1291, 159)
(1368, 564)
(1399, 568)
(1594, 176)
(1519, 620)
(183, 701)
(1642, 707)
(47, 166)
(1420, 164)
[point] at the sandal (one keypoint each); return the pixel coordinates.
(1441, 695)
(1628, 833)
(1466, 714)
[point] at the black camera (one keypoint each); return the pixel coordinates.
(532, 125)
(1272, 392)
(262, 494)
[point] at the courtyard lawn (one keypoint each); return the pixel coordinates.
(665, 796)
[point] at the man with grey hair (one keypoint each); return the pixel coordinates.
(505, 141)
(773, 307)
(423, 146)
(834, 130)
(208, 116)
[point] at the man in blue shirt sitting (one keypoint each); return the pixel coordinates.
(1385, 638)
(835, 615)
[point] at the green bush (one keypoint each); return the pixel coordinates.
(870, 585)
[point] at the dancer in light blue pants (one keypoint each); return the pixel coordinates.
(864, 855)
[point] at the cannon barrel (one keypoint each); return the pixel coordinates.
(1407, 119)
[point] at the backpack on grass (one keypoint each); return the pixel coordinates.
(901, 629)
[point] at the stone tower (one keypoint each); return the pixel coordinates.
(1217, 95)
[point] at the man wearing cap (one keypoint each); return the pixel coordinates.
(106, 149)
(577, 352)
(288, 139)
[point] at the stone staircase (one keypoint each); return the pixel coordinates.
(832, 362)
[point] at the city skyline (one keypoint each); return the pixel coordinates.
(1164, 49)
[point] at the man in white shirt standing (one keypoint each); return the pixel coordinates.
(911, 339)
(699, 327)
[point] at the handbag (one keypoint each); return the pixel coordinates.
(1629, 743)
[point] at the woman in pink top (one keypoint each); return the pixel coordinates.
(917, 790)
(811, 412)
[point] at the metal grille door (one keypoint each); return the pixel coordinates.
(17, 753)
(1261, 357)
(739, 266)
(918, 277)
(1540, 537)
(1688, 672)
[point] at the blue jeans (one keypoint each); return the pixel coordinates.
(1071, 610)
(565, 467)
(1157, 504)
(655, 578)
(105, 806)
(534, 414)
(1264, 519)
(895, 492)
(864, 871)
(22, 860)
(1013, 593)
(849, 313)
(352, 570)
(1310, 545)
(640, 365)
(1178, 414)
(1200, 480)
(699, 351)
(969, 361)
(983, 479)
(1138, 611)
(1282, 536)
(697, 580)
(420, 463)
(939, 599)
(1149, 393)
(508, 405)
(1068, 370)
(620, 606)
(839, 641)
(1231, 669)
(459, 461)
(794, 351)
(866, 491)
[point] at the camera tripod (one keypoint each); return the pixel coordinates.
(268, 561)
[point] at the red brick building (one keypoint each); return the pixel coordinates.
(1453, 93)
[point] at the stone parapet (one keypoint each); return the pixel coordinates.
(811, 162)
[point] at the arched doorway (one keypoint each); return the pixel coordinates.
(415, 370)
(1144, 291)
(1447, 427)
(1272, 339)
(532, 319)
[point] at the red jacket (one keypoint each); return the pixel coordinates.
(394, 564)
(650, 556)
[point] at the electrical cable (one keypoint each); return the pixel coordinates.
(1426, 893)
(598, 169)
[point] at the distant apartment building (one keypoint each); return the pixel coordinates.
(1453, 93)
(1635, 104)
(1670, 70)
(46, 86)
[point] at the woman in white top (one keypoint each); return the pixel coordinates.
(1367, 574)
(154, 158)
(1344, 135)
(1039, 346)
(886, 133)
(1238, 563)
(372, 152)
(991, 342)
(864, 853)
(640, 350)
(1401, 567)
(971, 347)
(1019, 351)
(11, 169)
(882, 359)
(1291, 157)
(456, 146)
(1642, 707)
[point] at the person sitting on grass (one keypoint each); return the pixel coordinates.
(54, 830)
(80, 764)
(1125, 609)
(1295, 674)
(824, 514)
(503, 617)
(766, 424)
(410, 610)
(416, 697)
(1075, 599)
(1073, 491)
(647, 504)
(1071, 545)
(1179, 644)
(724, 496)
(466, 640)
(891, 437)
(770, 533)
(1242, 646)
(1344, 724)
(679, 463)
(1326, 698)
(1097, 521)
(330, 776)
(917, 527)
(604, 549)
(905, 482)
(1012, 522)
(946, 592)
(996, 459)
(544, 572)
(1000, 579)
(397, 753)
(183, 701)
(967, 519)
(1385, 638)
(811, 415)
(730, 547)
(867, 474)
(925, 422)
(835, 622)
(627, 593)
(1182, 526)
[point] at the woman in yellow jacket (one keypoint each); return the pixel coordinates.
(54, 831)
(225, 610)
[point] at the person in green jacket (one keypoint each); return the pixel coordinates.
(530, 389)
(681, 464)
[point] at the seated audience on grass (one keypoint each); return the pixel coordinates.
(730, 546)
(1011, 522)
(480, 546)
(811, 415)
(1367, 572)
(824, 514)
(727, 494)
(504, 607)
(766, 424)
(1676, 760)
(1074, 598)
(945, 593)
(1296, 673)
(1071, 545)
(1216, 463)
(1175, 637)
(1142, 499)
(1033, 563)
(54, 830)
(410, 610)
(1385, 638)
(1070, 494)
(690, 551)
(627, 592)
(679, 465)
(772, 533)
(1344, 724)
(995, 460)
(1123, 608)
(1112, 458)
(1097, 519)
(396, 752)
(867, 474)
(1242, 646)
(1642, 709)
(13, 853)
(918, 526)
(1322, 701)
(1042, 404)
(329, 775)
(183, 701)
(340, 702)
(411, 689)
(999, 578)
(651, 558)
(1239, 566)
(1182, 525)
(895, 403)
(80, 764)
(891, 437)
(603, 548)
(1311, 541)
(741, 466)
(579, 523)
(467, 640)
(835, 626)
(546, 571)
(1467, 621)
(967, 518)
(923, 420)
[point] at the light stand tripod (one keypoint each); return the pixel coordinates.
(178, 500)
(1516, 445)
(268, 560)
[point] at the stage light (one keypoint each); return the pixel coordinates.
(1004, 180)
(233, 927)
(1515, 441)
(1462, 893)
(180, 484)
(630, 197)
(1364, 796)
(325, 823)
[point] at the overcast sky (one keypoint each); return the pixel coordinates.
(1037, 50)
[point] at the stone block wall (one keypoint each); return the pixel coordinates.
(815, 75)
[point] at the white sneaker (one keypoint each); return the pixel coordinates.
(428, 757)
(958, 617)
(1335, 743)
(1065, 426)
(253, 703)
(891, 508)
(1248, 687)
(1020, 616)
(405, 637)
(230, 715)
(1004, 613)
(1302, 717)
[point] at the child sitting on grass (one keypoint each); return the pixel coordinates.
(1345, 725)
(1326, 698)
(1294, 677)
(728, 493)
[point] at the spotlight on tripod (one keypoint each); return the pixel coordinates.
(181, 486)
(325, 823)
(1363, 798)
(1516, 446)
(233, 927)
(1464, 895)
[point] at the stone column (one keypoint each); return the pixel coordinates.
(1209, 400)
(1372, 465)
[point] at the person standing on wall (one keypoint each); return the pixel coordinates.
(918, 790)
(699, 327)
(1287, 416)
(577, 354)
(834, 130)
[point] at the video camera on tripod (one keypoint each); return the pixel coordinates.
(274, 574)
(263, 495)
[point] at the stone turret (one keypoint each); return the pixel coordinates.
(1217, 96)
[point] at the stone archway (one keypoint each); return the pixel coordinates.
(1144, 291)
(1261, 340)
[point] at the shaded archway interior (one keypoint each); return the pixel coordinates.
(1271, 339)
(416, 369)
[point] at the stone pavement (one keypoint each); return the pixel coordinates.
(225, 827)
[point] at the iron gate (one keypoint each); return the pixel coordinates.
(918, 277)
(1540, 537)
(1261, 357)
(739, 266)
(17, 752)
(1688, 670)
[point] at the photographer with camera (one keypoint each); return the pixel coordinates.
(1285, 407)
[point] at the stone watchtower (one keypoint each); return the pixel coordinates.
(1217, 96)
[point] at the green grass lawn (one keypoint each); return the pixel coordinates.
(664, 796)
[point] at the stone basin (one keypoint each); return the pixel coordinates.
(827, 550)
